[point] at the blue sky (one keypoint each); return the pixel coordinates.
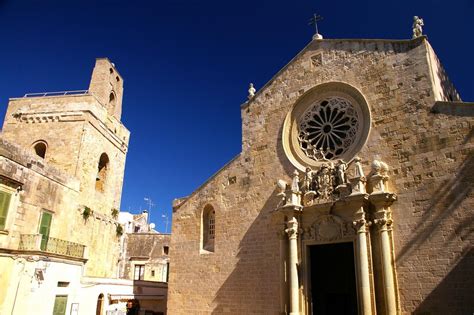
(187, 64)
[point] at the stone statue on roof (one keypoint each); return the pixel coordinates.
(417, 26)
(252, 91)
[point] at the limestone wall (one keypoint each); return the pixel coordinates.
(147, 249)
(444, 89)
(45, 188)
(431, 162)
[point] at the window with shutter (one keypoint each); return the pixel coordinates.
(45, 226)
(4, 205)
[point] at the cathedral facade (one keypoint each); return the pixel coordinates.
(352, 193)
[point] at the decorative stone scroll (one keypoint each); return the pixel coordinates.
(329, 228)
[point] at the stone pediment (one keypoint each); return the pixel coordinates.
(318, 59)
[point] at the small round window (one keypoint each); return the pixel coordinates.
(329, 122)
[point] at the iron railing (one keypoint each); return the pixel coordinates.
(61, 93)
(39, 242)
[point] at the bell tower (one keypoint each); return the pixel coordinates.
(78, 132)
(107, 86)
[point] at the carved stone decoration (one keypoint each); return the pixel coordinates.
(328, 228)
(282, 187)
(325, 182)
(292, 229)
(378, 176)
(330, 183)
(417, 26)
(309, 198)
(295, 190)
(329, 127)
(308, 180)
(348, 229)
(251, 91)
(341, 177)
(361, 225)
(358, 181)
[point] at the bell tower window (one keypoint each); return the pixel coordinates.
(102, 172)
(40, 148)
(111, 103)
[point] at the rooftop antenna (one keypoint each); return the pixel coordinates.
(150, 204)
(165, 217)
(314, 21)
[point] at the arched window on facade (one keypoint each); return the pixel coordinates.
(209, 228)
(40, 148)
(111, 103)
(100, 302)
(102, 172)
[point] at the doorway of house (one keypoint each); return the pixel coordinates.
(332, 280)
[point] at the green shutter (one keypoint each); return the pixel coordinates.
(60, 303)
(4, 204)
(45, 226)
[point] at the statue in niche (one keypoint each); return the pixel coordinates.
(295, 184)
(358, 181)
(341, 178)
(325, 182)
(308, 187)
(417, 26)
(307, 180)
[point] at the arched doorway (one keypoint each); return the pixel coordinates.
(100, 302)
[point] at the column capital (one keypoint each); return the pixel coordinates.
(292, 229)
(361, 225)
(383, 218)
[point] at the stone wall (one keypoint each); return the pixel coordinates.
(431, 161)
(147, 249)
(77, 130)
(45, 188)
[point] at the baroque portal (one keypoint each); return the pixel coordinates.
(335, 204)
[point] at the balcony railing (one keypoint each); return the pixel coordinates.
(37, 242)
(61, 93)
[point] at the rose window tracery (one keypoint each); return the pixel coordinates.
(328, 128)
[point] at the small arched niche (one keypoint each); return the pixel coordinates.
(208, 228)
(112, 102)
(40, 147)
(102, 170)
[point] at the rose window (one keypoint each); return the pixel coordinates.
(328, 128)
